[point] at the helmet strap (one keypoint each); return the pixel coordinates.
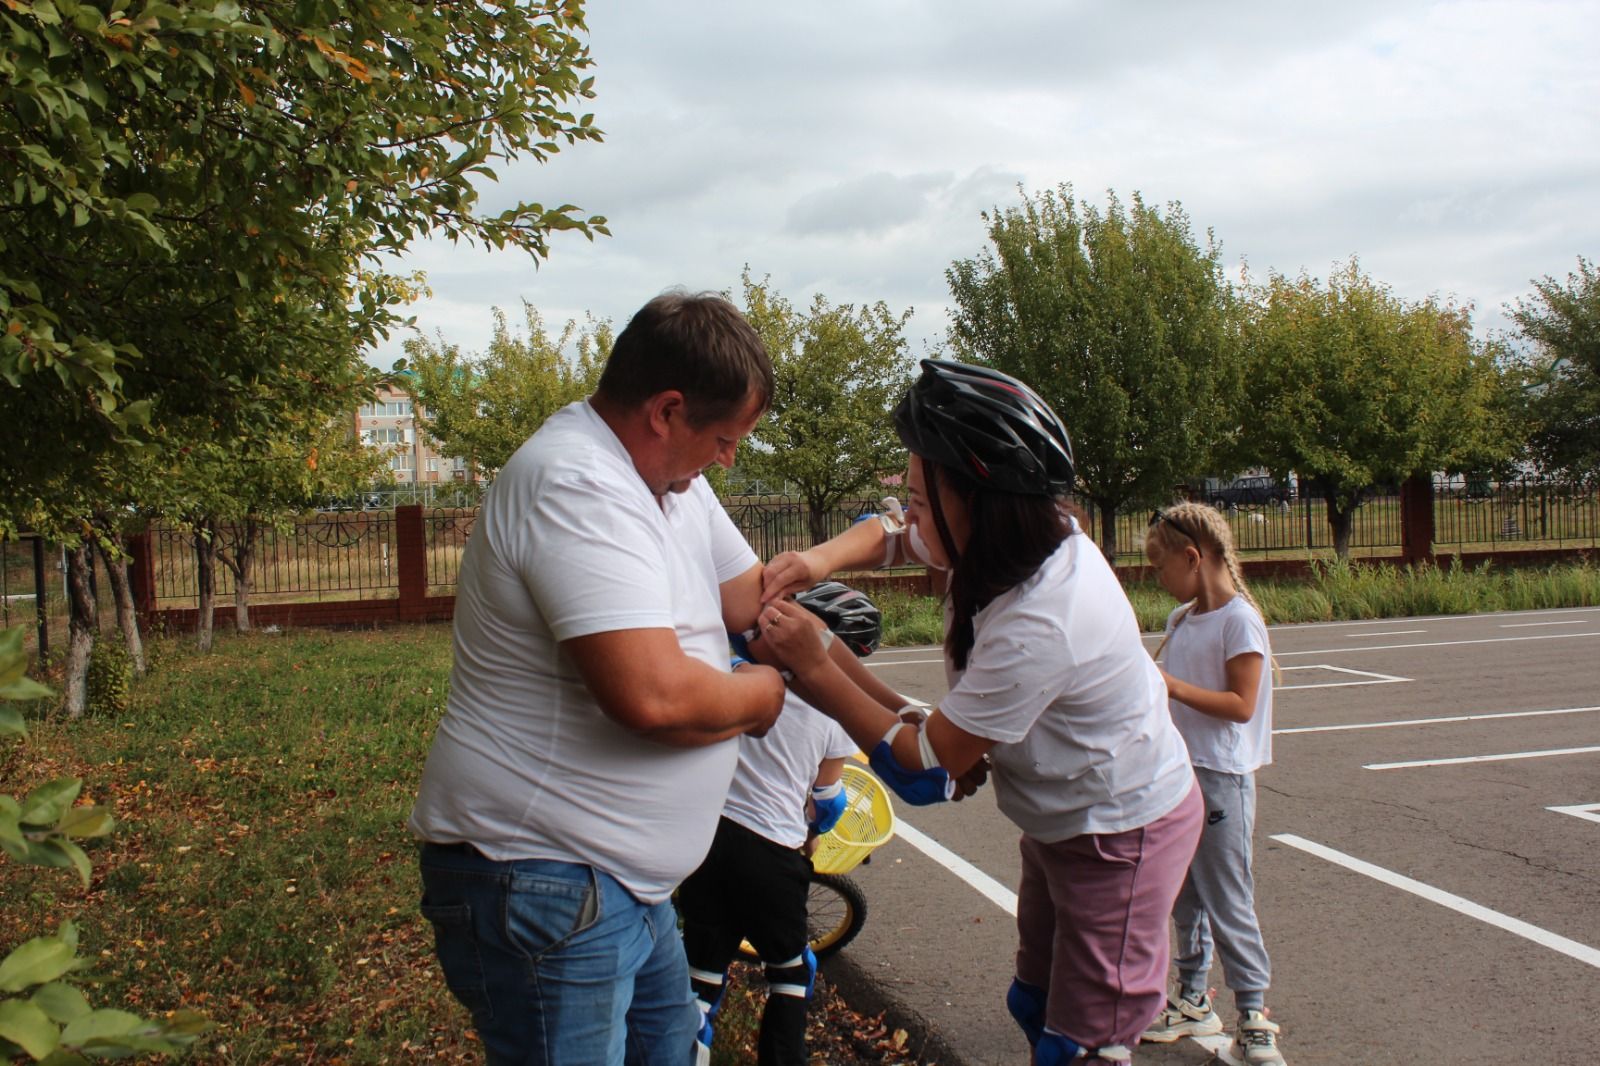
(930, 476)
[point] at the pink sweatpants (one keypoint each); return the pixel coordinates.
(1092, 917)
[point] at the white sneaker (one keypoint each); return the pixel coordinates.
(1183, 1018)
(1255, 1042)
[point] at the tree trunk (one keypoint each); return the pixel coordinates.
(1341, 517)
(122, 596)
(238, 561)
(82, 613)
(817, 517)
(205, 557)
(1108, 532)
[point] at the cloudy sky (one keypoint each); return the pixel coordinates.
(849, 148)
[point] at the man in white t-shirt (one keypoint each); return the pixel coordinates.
(592, 724)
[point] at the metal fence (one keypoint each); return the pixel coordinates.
(350, 555)
(446, 531)
(33, 593)
(1276, 530)
(774, 524)
(1468, 514)
(1525, 513)
(328, 556)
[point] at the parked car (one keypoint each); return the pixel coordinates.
(1250, 492)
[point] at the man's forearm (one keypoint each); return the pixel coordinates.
(730, 706)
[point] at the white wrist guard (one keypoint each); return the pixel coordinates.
(930, 761)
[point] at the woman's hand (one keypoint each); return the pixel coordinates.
(793, 634)
(790, 572)
(972, 780)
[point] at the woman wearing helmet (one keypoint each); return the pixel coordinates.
(1050, 687)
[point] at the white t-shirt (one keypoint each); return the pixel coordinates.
(1198, 652)
(570, 541)
(1058, 676)
(775, 774)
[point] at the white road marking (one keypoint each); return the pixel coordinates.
(1431, 644)
(1479, 758)
(1543, 937)
(1528, 625)
(988, 887)
(1434, 618)
(1431, 721)
(1385, 633)
(1587, 811)
(1374, 678)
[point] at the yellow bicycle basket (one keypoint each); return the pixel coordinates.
(867, 822)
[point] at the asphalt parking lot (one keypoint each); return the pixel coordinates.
(1427, 856)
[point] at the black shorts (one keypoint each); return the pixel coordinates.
(748, 888)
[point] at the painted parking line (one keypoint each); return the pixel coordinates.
(1508, 756)
(1529, 625)
(1431, 721)
(1434, 644)
(1543, 937)
(1384, 633)
(1367, 677)
(1587, 811)
(987, 887)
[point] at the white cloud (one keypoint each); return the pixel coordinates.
(849, 149)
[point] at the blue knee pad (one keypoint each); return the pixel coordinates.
(1026, 1004)
(783, 979)
(1053, 1049)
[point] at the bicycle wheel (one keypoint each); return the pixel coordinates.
(836, 910)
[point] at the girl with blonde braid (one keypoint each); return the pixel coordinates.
(1218, 673)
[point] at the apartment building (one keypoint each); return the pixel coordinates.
(389, 422)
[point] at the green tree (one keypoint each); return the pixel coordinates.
(1349, 385)
(173, 165)
(234, 493)
(199, 194)
(1562, 323)
(1118, 318)
(839, 372)
(201, 172)
(480, 408)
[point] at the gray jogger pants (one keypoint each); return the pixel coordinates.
(1218, 900)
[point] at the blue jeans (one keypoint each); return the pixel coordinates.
(558, 962)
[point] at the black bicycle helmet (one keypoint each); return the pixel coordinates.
(853, 618)
(988, 425)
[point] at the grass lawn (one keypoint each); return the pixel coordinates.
(261, 872)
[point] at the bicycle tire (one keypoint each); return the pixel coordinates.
(836, 909)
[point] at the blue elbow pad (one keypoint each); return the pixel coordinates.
(917, 787)
(830, 802)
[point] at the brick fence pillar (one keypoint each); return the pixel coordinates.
(411, 545)
(142, 574)
(1416, 519)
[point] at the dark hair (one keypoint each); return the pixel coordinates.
(697, 344)
(1011, 535)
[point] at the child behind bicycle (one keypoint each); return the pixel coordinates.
(755, 882)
